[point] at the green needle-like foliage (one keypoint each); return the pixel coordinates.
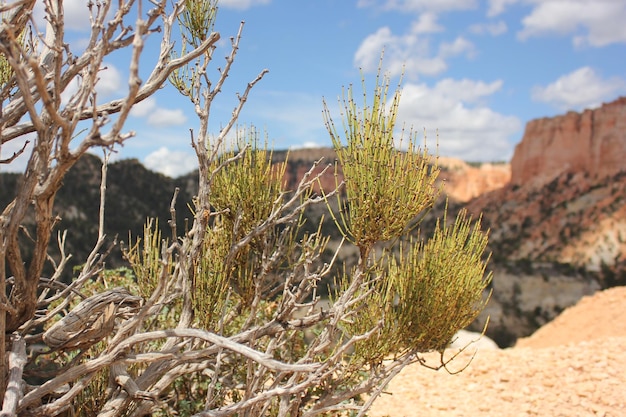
(196, 23)
(245, 193)
(417, 294)
(211, 286)
(6, 72)
(249, 190)
(385, 187)
(197, 20)
(426, 294)
(439, 284)
(26, 42)
(145, 258)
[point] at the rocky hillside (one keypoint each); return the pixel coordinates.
(565, 200)
(558, 229)
(134, 194)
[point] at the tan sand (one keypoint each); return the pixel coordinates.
(573, 366)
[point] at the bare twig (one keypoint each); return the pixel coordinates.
(103, 189)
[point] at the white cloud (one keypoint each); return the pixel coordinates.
(458, 47)
(491, 28)
(75, 13)
(373, 45)
(143, 108)
(109, 84)
(243, 4)
(409, 52)
(110, 80)
(466, 90)
(427, 23)
(306, 145)
(590, 22)
(418, 65)
(453, 111)
(420, 5)
(497, 7)
(579, 89)
(166, 117)
(157, 116)
(171, 163)
(401, 52)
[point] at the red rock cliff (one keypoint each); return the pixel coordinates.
(592, 142)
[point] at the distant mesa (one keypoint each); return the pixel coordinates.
(592, 143)
(564, 202)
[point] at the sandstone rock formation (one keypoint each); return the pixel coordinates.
(464, 181)
(571, 367)
(596, 316)
(558, 229)
(568, 185)
(572, 219)
(592, 142)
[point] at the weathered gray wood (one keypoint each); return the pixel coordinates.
(14, 391)
(91, 320)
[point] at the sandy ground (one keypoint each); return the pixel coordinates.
(573, 366)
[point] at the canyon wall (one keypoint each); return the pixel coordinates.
(463, 182)
(592, 142)
(558, 229)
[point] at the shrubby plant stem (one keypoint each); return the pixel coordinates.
(225, 317)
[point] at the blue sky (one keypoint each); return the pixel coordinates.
(474, 71)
